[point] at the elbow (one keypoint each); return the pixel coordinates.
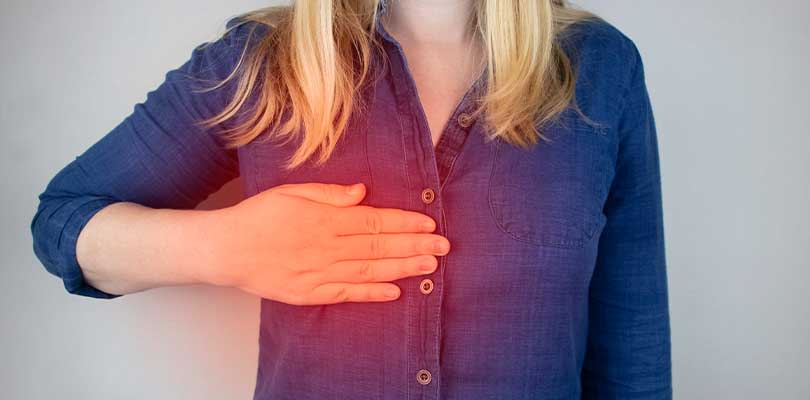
(43, 242)
(55, 228)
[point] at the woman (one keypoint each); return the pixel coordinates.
(521, 132)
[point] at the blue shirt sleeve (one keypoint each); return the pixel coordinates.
(158, 156)
(628, 349)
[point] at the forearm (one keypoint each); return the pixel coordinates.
(127, 248)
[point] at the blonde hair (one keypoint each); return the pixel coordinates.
(316, 59)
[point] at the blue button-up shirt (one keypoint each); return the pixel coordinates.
(555, 287)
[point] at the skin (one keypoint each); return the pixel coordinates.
(443, 54)
(301, 244)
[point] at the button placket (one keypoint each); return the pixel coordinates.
(426, 316)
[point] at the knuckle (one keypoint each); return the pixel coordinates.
(428, 245)
(303, 270)
(342, 294)
(372, 293)
(367, 271)
(377, 244)
(373, 222)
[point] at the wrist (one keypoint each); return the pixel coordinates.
(208, 249)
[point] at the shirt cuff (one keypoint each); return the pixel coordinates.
(71, 272)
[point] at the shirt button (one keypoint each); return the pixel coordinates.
(464, 120)
(428, 195)
(426, 286)
(423, 376)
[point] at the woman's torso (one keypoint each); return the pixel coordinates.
(505, 315)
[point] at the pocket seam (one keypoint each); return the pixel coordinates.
(591, 222)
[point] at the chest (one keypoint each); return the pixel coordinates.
(523, 226)
(496, 198)
(546, 200)
(442, 75)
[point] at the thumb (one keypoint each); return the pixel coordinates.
(329, 193)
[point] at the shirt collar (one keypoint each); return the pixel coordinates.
(382, 8)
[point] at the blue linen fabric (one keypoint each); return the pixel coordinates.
(555, 287)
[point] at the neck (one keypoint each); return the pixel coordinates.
(430, 21)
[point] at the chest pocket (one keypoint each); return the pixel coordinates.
(552, 194)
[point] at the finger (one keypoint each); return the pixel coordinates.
(331, 293)
(329, 193)
(389, 245)
(366, 219)
(380, 270)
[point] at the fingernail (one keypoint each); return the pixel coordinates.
(353, 189)
(426, 267)
(428, 226)
(442, 246)
(392, 293)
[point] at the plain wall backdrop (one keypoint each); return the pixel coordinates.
(731, 96)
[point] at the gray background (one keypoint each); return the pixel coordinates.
(730, 92)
